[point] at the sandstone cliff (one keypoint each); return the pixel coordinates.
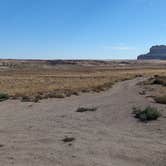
(156, 52)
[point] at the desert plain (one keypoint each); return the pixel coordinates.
(40, 123)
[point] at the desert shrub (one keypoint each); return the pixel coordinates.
(75, 93)
(138, 75)
(37, 98)
(86, 109)
(55, 95)
(68, 139)
(160, 99)
(68, 94)
(103, 87)
(72, 92)
(147, 114)
(160, 80)
(26, 99)
(85, 90)
(59, 95)
(34, 99)
(4, 96)
(97, 89)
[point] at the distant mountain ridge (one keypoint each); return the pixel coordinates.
(156, 52)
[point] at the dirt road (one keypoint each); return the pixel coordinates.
(31, 133)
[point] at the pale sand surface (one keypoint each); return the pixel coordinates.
(31, 133)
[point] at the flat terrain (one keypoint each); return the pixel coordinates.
(32, 133)
(45, 79)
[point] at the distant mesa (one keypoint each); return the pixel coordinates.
(156, 52)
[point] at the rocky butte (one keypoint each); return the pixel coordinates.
(156, 52)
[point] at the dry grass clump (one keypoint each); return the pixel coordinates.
(160, 99)
(68, 139)
(156, 80)
(156, 86)
(86, 109)
(160, 80)
(30, 98)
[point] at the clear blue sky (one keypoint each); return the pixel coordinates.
(80, 29)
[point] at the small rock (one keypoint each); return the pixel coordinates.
(1, 146)
(68, 139)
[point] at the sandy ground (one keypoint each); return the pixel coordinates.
(31, 133)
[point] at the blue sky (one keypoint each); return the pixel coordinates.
(80, 29)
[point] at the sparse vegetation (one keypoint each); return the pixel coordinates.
(55, 95)
(160, 99)
(142, 92)
(139, 75)
(86, 109)
(4, 96)
(26, 99)
(156, 80)
(147, 114)
(155, 87)
(68, 139)
(161, 80)
(34, 77)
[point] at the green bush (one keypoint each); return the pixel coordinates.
(147, 114)
(4, 96)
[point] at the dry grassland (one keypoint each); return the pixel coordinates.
(155, 87)
(44, 83)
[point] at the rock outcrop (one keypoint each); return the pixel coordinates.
(156, 52)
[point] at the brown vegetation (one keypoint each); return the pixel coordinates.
(86, 109)
(156, 87)
(41, 80)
